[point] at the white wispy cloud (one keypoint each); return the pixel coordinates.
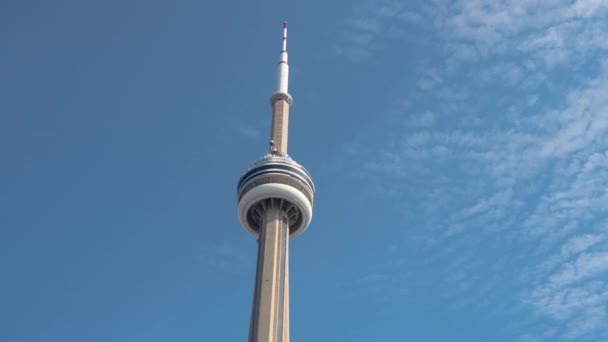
(585, 266)
(526, 144)
(580, 243)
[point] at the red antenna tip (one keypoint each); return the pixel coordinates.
(284, 24)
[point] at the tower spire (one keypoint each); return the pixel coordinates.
(281, 102)
(283, 67)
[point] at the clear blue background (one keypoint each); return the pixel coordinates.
(459, 149)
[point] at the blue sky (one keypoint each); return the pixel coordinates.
(459, 150)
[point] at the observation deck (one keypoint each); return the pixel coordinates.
(276, 181)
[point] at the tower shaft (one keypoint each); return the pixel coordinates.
(280, 124)
(270, 310)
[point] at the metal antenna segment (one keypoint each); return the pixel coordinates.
(275, 199)
(284, 36)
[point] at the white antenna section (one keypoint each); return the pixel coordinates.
(284, 36)
(283, 68)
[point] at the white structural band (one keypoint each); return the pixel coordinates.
(275, 190)
(283, 74)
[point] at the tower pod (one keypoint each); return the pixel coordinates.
(278, 181)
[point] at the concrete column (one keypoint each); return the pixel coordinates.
(280, 124)
(270, 309)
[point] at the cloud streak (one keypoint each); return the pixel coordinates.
(519, 117)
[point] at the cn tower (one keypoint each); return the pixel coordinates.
(275, 199)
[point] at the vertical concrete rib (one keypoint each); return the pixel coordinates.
(284, 233)
(254, 323)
